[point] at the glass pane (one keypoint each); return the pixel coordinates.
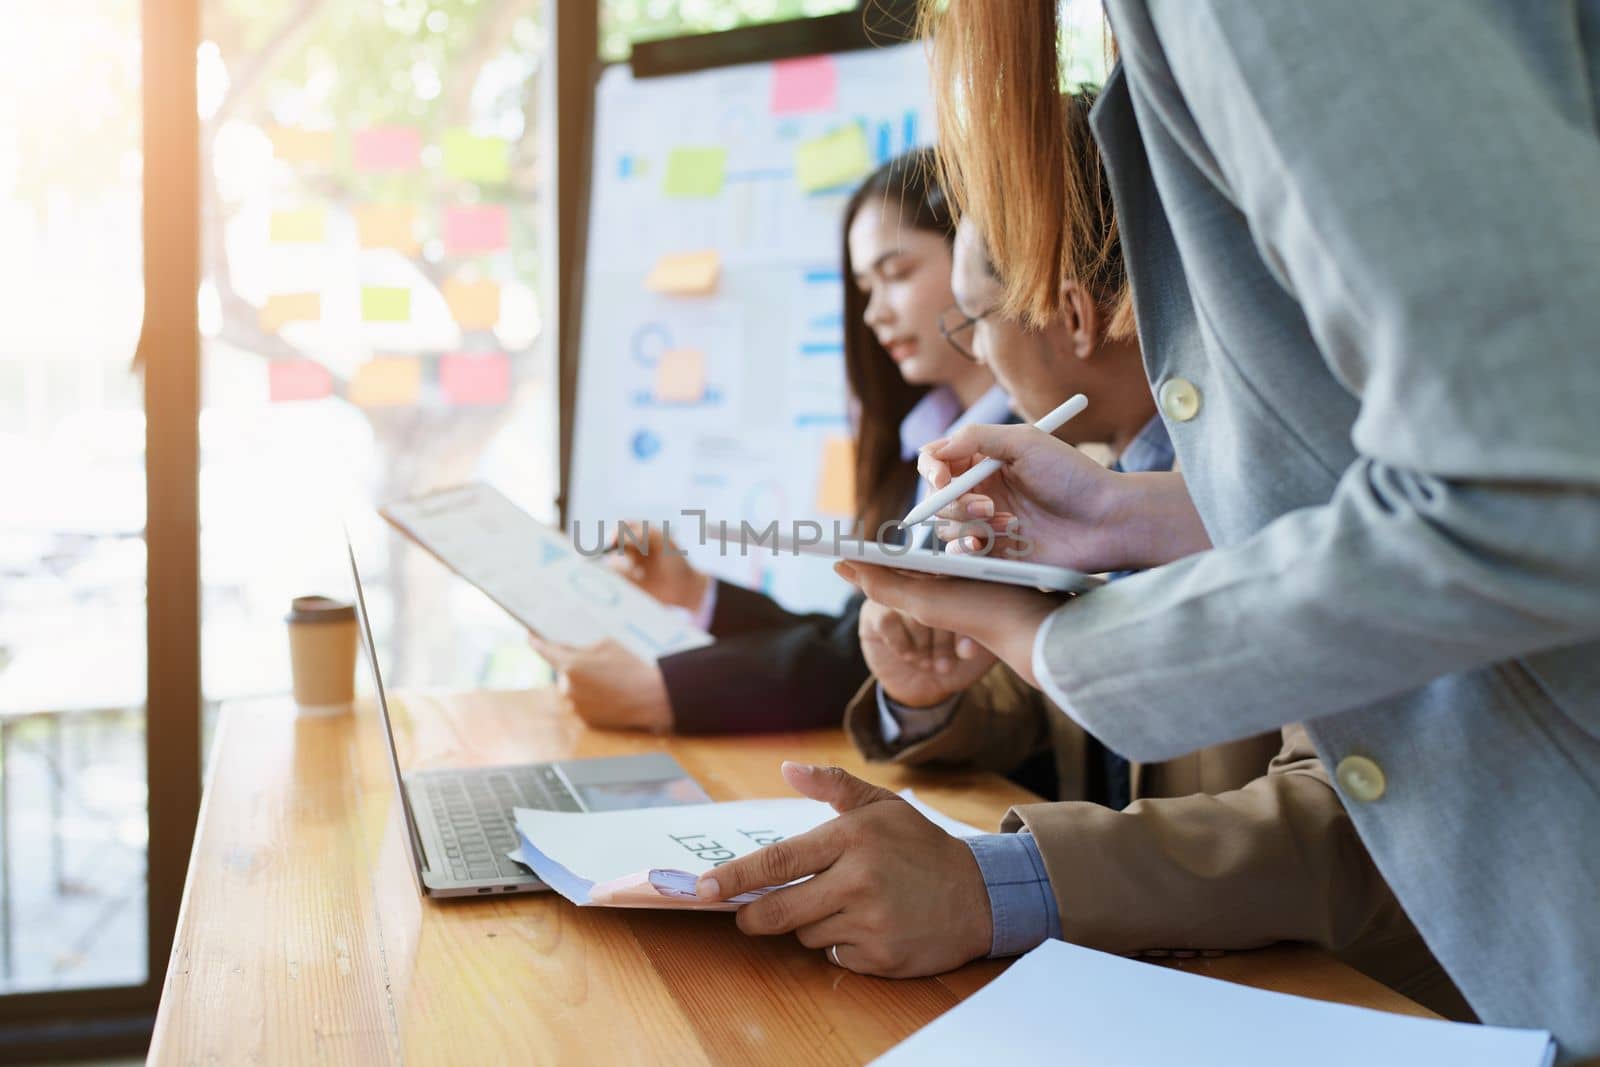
(624, 21)
(371, 318)
(72, 561)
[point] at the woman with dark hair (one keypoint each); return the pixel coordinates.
(771, 669)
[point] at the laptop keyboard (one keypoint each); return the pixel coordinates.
(473, 814)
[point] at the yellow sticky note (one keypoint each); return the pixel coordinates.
(681, 376)
(836, 479)
(474, 305)
(306, 226)
(685, 273)
(476, 159)
(294, 145)
(282, 308)
(695, 171)
(387, 226)
(386, 382)
(385, 304)
(833, 160)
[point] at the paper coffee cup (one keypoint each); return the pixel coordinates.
(322, 654)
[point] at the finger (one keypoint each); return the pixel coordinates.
(935, 472)
(559, 656)
(796, 857)
(942, 649)
(787, 909)
(920, 637)
(892, 589)
(834, 930)
(893, 631)
(967, 648)
(938, 601)
(1006, 443)
(966, 508)
(834, 786)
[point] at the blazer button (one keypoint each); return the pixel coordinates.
(1179, 399)
(1361, 778)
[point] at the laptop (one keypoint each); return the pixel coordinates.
(459, 822)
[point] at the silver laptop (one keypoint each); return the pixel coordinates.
(459, 822)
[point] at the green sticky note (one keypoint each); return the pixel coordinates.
(835, 159)
(695, 171)
(385, 304)
(475, 159)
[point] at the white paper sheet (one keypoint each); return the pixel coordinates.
(573, 852)
(1065, 1004)
(536, 574)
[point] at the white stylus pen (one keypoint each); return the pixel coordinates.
(960, 484)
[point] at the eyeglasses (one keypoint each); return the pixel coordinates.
(957, 327)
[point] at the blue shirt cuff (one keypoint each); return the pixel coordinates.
(1021, 903)
(902, 726)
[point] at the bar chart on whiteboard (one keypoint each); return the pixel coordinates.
(711, 366)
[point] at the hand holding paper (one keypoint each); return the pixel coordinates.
(887, 890)
(650, 857)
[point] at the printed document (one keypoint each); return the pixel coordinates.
(1065, 1004)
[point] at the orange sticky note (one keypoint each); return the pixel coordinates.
(386, 382)
(474, 305)
(681, 376)
(387, 226)
(836, 479)
(685, 273)
(294, 145)
(282, 308)
(305, 226)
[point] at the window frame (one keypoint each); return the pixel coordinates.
(116, 1019)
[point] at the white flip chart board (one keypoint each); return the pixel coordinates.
(711, 370)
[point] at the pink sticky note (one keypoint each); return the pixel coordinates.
(474, 379)
(475, 229)
(807, 84)
(297, 379)
(388, 148)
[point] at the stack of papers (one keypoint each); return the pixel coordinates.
(1065, 1004)
(651, 857)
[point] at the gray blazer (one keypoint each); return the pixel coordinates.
(1364, 239)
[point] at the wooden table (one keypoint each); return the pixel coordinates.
(302, 937)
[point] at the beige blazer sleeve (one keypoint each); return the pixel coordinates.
(1275, 860)
(997, 723)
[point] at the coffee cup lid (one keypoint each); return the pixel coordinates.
(319, 609)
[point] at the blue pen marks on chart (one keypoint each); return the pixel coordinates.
(644, 445)
(649, 341)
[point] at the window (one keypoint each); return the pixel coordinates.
(372, 317)
(73, 824)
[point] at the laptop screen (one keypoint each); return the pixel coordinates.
(417, 855)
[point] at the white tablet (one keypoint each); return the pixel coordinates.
(536, 573)
(926, 561)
